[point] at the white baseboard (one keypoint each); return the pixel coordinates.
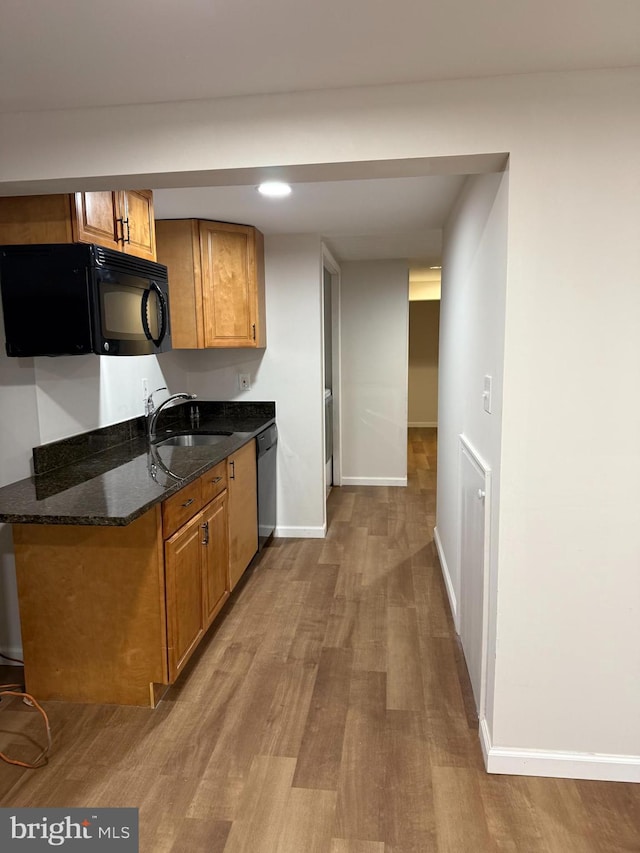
(374, 481)
(12, 652)
(453, 603)
(422, 424)
(300, 532)
(557, 764)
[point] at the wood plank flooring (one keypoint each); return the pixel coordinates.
(329, 711)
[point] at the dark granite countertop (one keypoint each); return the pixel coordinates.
(112, 475)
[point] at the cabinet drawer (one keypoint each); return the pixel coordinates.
(214, 482)
(179, 508)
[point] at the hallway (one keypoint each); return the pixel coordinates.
(328, 712)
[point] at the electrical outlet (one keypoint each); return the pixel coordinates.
(244, 381)
(145, 396)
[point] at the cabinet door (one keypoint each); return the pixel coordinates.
(183, 580)
(178, 246)
(96, 219)
(138, 224)
(215, 562)
(228, 285)
(243, 510)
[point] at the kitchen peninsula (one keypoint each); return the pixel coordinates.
(126, 551)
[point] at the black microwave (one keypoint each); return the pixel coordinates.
(76, 298)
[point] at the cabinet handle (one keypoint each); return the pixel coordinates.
(128, 240)
(205, 533)
(216, 480)
(188, 503)
(120, 239)
(232, 476)
(254, 331)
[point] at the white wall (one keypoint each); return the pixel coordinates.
(374, 331)
(288, 371)
(79, 393)
(424, 330)
(474, 278)
(569, 588)
(568, 648)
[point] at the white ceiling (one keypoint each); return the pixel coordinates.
(368, 219)
(75, 53)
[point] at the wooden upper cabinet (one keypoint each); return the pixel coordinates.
(138, 223)
(216, 279)
(121, 220)
(95, 219)
(118, 220)
(35, 219)
(228, 302)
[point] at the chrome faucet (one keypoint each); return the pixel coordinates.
(154, 413)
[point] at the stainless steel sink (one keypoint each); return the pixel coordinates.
(194, 439)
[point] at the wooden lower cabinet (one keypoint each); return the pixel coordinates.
(92, 611)
(243, 510)
(113, 614)
(197, 580)
(184, 588)
(215, 568)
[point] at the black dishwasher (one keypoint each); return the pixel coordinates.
(266, 446)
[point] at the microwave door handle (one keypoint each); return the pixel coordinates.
(163, 313)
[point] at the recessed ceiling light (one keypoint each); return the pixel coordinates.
(435, 268)
(274, 189)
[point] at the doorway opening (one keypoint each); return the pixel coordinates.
(424, 335)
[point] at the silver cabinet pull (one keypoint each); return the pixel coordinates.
(216, 480)
(205, 533)
(188, 503)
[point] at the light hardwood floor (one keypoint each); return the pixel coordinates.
(328, 712)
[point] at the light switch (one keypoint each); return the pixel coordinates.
(486, 394)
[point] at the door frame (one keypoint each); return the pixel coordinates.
(331, 265)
